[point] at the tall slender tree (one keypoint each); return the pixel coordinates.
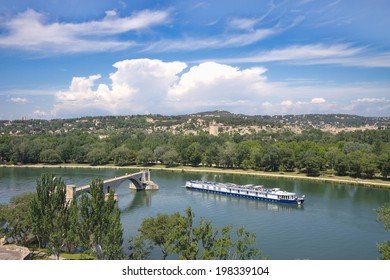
(99, 222)
(49, 213)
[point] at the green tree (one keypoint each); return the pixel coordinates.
(384, 216)
(331, 157)
(123, 156)
(179, 235)
(194, 154)
(18, 224)
(49, 213)
(158, 231)
(170, 158)
(355, 163)
(271, 158)
(145, 156)
(342, 165)
(369, 165)
(99, 222)
(384, 164)
(50, 156)
(227, 155)
(97, 156)
(310, 162)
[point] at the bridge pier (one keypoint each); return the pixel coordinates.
(70, 191)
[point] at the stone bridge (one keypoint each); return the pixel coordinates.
(139, 181)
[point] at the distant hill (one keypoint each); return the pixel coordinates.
(193, 123)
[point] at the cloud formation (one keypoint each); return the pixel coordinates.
(19, 100)
(315, 54)
(30, 30)
(142, 86)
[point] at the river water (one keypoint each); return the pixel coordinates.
(336, 222)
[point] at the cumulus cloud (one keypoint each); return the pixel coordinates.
(30, 30)
(140, 86)
(137, 86)
(147, 85)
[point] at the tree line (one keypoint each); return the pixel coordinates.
(314, 152)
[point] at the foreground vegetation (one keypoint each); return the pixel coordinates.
(89, 224)
(177, 235)
(384, 216)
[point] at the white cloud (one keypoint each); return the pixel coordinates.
(19, 100)
(301, 53)
(214, 42)
(213, 85)
(39, 114)
(318, 100)
(137, 86)
(243, 23)
(313, 54)
(140, 86)
(372, 100)
(31, 31)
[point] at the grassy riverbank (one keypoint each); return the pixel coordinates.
(379, 183)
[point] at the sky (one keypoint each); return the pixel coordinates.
(66, 59)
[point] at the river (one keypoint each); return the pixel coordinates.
(336, 222)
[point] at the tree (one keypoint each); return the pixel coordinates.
(310, 162)
(384, 164)
(145, 156)
(355, 163)
(331, 157)
(50, 156)
(384, 216)
(179, 235)
(123, 156)
(342, 165)
(170, 158)
(99, 222)
(97, 156)
(194, 154)
(18, 225)
(271, 158)
(158, 231)
(49, 213)
(227, 155)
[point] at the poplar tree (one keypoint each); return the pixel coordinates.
(99, 223)
(49, 213)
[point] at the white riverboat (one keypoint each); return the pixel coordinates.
(247, 191)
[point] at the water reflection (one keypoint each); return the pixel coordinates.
(253, 203)
(135, 200)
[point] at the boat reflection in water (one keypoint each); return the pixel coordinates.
(257, 204)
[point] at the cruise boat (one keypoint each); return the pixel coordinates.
(247, 191)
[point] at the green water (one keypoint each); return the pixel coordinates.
(336, 221)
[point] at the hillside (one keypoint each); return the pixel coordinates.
(214, 122)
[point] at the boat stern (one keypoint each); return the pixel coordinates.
(300, 200)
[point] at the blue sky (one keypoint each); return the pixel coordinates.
(62, 59)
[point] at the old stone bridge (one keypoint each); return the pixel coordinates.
(139, 181)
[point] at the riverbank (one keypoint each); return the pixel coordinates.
(378, 183)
